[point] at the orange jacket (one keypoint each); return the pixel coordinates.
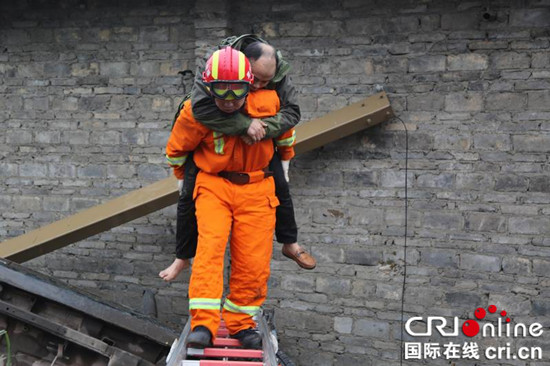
(215, 152)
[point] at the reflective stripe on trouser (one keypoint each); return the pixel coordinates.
(248, 211)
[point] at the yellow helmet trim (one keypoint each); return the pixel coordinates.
(215, 64)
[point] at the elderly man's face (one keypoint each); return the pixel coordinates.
(229, 106)
(264, 70)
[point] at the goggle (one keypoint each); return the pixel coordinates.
(229, 90)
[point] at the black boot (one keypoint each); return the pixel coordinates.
(200, 337)
(249, 338)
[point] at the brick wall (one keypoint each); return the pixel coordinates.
(88, 93)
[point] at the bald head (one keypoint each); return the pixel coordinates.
(263, 61)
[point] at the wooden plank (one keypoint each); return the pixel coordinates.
(331, 127)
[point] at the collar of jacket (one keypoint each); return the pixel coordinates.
(283, 68)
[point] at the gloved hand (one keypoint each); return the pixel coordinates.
(180, 186)
(286, 165)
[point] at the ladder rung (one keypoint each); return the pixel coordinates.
(222, 332)
(225, 352)
(226, 342)
(220, 363)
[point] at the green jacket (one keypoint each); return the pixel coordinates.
(206, 112)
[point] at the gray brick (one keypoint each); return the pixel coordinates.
(541, 267)
(47, 137)
(11, 102)
(327, 28)
(298, 283)
(324, 179)
(438, 258)
(57, 70)
(485, 222)
(427, 64)
(120, 171)
(390, 292)
(343, 325)
(36, 103)
(113, 266)
(529, 225)
(363, 289)
(33, 170)
(425, 102)
(390, 179)
(330, 216)
(530, 18)
(539, 183)
(105, 138)
(531, 143)
(332, 286)
(532, 84)
(539, 100)
(295, 29)
(443, 220)
(506, 101)
(511, 60)
(76, 137)
(25, 203)
(480, 263)
(62, 171)
(114, 69)
(463, 299)
(427, 37)
(540, 60)
(362, 26)
(541, 307)
(55, 203)
(158, 138)
(364, 257)
(361, 179)
(511, 183)
(462, 20)
(8, 170)
(133, 137)
(371, 328)
(516, 265)
(21, 137)
(145, 68)
(464, 102)
(513, 304)
(436, 181)
(492, 141)
(151, 172)
(470, 61)
(91, 171)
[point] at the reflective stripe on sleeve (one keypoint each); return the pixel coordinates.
(288, 141)
(176, 160)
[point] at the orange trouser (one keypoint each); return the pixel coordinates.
(248, 212)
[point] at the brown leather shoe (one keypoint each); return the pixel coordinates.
(302, 258)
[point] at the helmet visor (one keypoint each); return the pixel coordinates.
(229, 90)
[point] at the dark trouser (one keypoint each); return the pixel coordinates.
(286, 230)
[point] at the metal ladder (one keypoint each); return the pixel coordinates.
(225, 351)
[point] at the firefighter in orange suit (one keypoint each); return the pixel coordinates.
(234, 193)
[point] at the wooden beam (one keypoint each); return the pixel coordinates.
(333, 126)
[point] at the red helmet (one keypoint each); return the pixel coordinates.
(228, 65)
